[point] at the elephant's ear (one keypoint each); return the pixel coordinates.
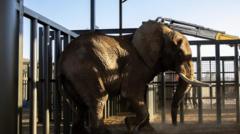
(148, 40)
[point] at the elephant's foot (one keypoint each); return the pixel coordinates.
(101, 130)
(79, 130)
(134, 124)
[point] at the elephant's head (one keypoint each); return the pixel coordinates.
(163, 49)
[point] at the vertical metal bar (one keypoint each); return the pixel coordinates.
(120, 17)
(210, 90)
(163, 97)
(41, 75)
(92, 12)
(50, 69)
(20, 67)
(66, 109)
(57, 97)
(236, 75)
(46, 81)
(218, 84)
(9, 68)
(199, 77)
(33, 78)
(223, 84)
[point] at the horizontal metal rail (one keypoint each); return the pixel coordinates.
(214, 42)
(45, 21)
(109, 31)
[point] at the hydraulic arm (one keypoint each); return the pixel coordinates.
(196, 30)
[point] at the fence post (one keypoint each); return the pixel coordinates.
(9, 68)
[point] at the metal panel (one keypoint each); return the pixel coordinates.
(218, 84)
(33, 78)
(199, 91)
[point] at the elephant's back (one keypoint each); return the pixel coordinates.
(93, 56)
(93, 51)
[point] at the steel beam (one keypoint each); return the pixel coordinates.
(9, 67)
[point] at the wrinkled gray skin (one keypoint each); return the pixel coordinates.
(94, 66)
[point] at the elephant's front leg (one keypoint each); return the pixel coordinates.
(96, 116)
(178, 97)
(137, 104)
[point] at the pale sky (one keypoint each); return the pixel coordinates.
(223, 15)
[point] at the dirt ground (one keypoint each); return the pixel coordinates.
(117, 126)
(190, 126)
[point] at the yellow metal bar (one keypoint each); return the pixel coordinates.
(222, 36)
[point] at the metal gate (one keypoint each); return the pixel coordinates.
(47, 107)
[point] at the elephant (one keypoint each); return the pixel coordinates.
(94, 66)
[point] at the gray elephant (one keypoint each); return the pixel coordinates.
(94, 66)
